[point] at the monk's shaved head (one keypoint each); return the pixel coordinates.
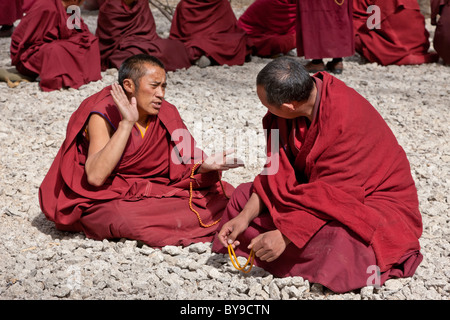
(285, 80)
(134, 68)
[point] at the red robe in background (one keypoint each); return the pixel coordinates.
(210, 28)
(10, 11)
(27, 4)
(270, 25)
(42, 45)
(402, 38)
(147, 196)
(324, 29)
(441, 40)
(342, 193)
(124, 32)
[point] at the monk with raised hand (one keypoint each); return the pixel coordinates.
(55, 46)
(339, 207)
(129, 167)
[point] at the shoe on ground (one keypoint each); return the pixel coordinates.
(335, 67)
(314, 67)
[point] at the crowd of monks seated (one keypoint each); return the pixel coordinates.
(205, 33)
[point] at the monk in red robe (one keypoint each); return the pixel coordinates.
(10, 11)
(336, 203)
(210, 33)
(129, 168)
(441, 40)
(126, 28)
(270, 25)
(55, 46)
(393, 32)
(325, 30)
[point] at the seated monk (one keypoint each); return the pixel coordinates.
(336, 203)
(401, 37)
(126, 28)
(270, 25)
(44, 46)
(210, 33)
(10, 11)
(129, 168)
(441, 40)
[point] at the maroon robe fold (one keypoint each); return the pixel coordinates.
(124, 32)
(324, 29)
(345, 198)
(441, 40)
(10, 11)
(147, 196)
(210, 28)
(27, 4)
(402, 38)
(42, 45)
(270, 26)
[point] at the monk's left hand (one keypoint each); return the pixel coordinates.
(269, 246)
(221, 162)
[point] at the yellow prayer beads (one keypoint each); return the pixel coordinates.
(235, 261)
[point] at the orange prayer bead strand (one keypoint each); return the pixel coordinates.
(191, 195)
(235, 261)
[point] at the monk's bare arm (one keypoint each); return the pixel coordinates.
(105, 148)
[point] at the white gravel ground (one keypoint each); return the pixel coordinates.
(39, 262)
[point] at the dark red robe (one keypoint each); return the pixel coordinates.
(43, 45)
(10, 11)
(441, 40)
(147, 196)
(124, 32)
(270, 25)
(341, 191)
(210, 28)
(402, 38)
(324, 29)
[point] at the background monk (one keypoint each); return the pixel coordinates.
(400, 38)
(270, 25)
(337, 202)
(10, 11)
(441, 40)
(43, 45)
(126, 28)
(210, 32)
(325, 30)
(124, 169)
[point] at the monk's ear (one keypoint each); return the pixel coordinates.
(128, 86)
(290, 106)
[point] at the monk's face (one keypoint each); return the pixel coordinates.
(151, 91)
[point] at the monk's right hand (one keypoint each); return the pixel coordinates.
(231, 230)
(127, 108)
